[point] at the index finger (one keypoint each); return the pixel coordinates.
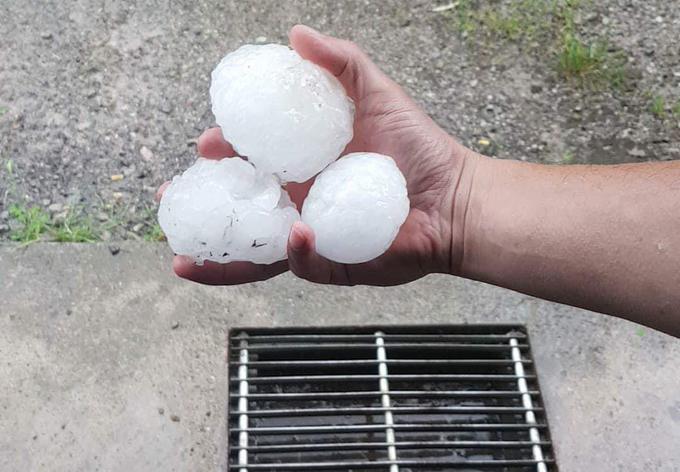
(232, 273)
(211, 144)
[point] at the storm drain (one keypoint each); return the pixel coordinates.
(396, 399)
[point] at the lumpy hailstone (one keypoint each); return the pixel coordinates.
(289, 116)
(226, 211)
(356, 207)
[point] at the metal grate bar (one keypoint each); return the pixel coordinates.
(385, 400)
(396, 337)
(393, 393)
(335, 346)
(378, 410)
(415, 427)
(527, 402)
(364, 377)
(417, 464)
(345, 362)
(243, 407)
(399, 444)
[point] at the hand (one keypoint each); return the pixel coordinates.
(387, 121)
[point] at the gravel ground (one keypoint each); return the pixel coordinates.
(93, 89)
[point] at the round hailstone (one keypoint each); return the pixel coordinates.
(226, 211)
(288, 116)
(356, 207)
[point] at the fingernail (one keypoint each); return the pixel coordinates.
(296, 239)
(312, 31)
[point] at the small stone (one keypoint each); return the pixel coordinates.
(101, 216)
(69, 312)
(484, 142)
(59, 218)
(35, 436)
(174, 418)
(46, 35)
(4, 228)
(161, 411)
(174, 325)
(261, 39)
(117, 177)
(46, 201)
(114, 250)
(117, 196)
(146, 153)
(637, 152)
(89, 93)
(137, 228)
(105, 235)
(63, 426)
(55, 208)
(207, 413)
(4, 215)
(536, 88)
(166, 107)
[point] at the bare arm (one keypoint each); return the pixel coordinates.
(605, 238)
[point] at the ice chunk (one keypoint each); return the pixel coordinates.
(226, 211)
(356, 207)
(287, 115)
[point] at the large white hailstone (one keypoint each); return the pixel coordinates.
(288, 116)
(226, 211)
(356, 207)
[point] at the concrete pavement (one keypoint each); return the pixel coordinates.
(95, 374)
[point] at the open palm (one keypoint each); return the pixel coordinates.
(387, 121)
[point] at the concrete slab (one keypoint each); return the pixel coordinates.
(94, 377)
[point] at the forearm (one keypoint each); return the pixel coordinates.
(605, 238)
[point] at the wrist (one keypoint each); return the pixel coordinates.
(465, 205)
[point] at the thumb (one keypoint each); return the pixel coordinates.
(306, 263)
(344, 59)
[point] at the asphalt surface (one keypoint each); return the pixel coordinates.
(91, 89)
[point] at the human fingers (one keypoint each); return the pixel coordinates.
(161, 189)
(211, 144)
(233, 273)
(344, 59)
(306, 263)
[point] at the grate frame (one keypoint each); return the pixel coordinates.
(502, 351)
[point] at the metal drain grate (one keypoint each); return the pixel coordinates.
(397, 399)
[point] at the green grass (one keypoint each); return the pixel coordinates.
(33, 223)
(568, 158)
(74, 229)
(3, 110)
(154, 233)
(590, 64)
(676, 109)
(547, 28)
(30, 223)
(657, 107)
(577, 58)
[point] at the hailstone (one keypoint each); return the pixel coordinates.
(226, 211)
(287, 115)
(356, 207)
